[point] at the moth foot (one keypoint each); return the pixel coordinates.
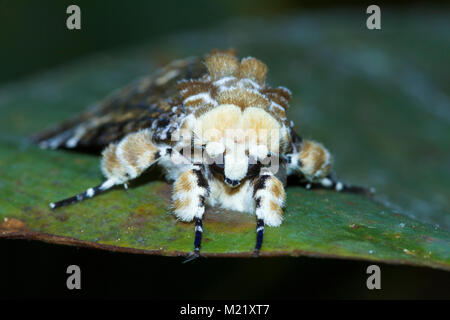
(192, 256)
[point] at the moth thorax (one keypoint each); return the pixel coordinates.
(251, 127)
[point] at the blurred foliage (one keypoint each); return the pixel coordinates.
(34, 34)
(378, 100)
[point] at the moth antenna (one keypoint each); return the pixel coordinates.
(89, 193)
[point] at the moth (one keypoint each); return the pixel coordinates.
(215, 126)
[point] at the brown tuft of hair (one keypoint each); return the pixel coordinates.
(180, 204)
(276, 208)
(277, 190)
(242, 99)
(253, 69)
(184, 183)
(222, 64)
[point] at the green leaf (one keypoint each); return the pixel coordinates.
(340, 108)
(317, 223)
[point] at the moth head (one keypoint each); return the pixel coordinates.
(239, 118)
(238, 142)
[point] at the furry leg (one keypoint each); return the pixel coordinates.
(311, 163)
(269, 196)
(190, 193)
(122, 162)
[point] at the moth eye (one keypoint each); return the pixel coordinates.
(289, 159)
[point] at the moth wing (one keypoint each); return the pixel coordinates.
(151, 101)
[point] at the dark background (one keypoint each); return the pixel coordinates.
(34, 34)
(34, 38)
(36, 270)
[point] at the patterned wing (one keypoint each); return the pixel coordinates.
(152, 101)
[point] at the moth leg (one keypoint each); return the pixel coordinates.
(89, 193)
(330, 182)
(310, 160)
(269, 197)
(312, 163)
(189, 196)
(122, 162)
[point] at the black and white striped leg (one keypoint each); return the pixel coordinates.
(269, 196)
(198, 235)
(89, 193)
(259, 236)
(330, 182)
(189, 202)
(197, 240)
